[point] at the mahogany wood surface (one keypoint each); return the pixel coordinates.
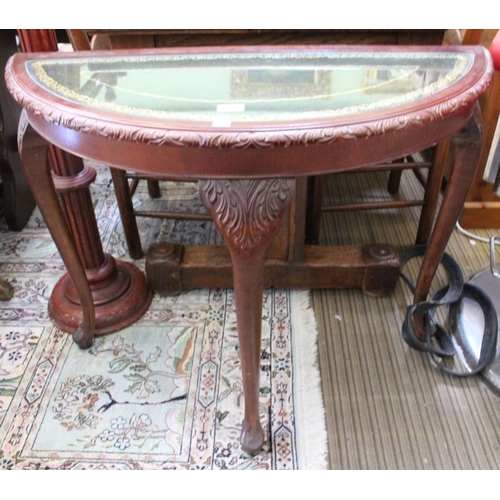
(329, 142)
(248, 176)
(261, 204)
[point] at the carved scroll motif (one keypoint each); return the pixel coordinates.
(247, 212)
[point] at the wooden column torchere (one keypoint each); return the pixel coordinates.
(119, 290)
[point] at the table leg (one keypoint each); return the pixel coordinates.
(247, 213)
(466, 150)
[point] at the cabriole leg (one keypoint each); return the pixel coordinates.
(247, 213)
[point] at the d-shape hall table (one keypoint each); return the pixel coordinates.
(248, 124)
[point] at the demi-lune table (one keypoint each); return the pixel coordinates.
(248, 124)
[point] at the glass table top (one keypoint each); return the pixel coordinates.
(227, 88)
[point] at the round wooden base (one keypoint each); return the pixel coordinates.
(121, 296)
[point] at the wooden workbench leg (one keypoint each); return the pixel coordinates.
(35, 161)
(466, 150)
(247, 213)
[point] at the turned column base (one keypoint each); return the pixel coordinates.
(120, 293)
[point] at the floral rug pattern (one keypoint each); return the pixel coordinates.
(164, 393)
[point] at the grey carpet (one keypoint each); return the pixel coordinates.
(387, 407)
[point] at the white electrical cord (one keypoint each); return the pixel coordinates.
(494, 240)
(460, 229)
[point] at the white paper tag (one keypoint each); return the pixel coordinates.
(233, 107)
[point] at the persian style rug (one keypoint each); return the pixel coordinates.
(164, 393)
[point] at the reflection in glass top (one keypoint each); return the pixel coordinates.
(255, 87)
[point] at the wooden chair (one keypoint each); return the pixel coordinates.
(125, 184)
(418, 163)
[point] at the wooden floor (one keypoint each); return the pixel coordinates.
(387, 407)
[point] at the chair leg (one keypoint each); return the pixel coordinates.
(394, 181)
(154, 188)
(313, 210)
(126, 208)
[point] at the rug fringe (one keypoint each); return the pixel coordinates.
(312, 441)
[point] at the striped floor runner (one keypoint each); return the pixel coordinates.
(387, 407)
